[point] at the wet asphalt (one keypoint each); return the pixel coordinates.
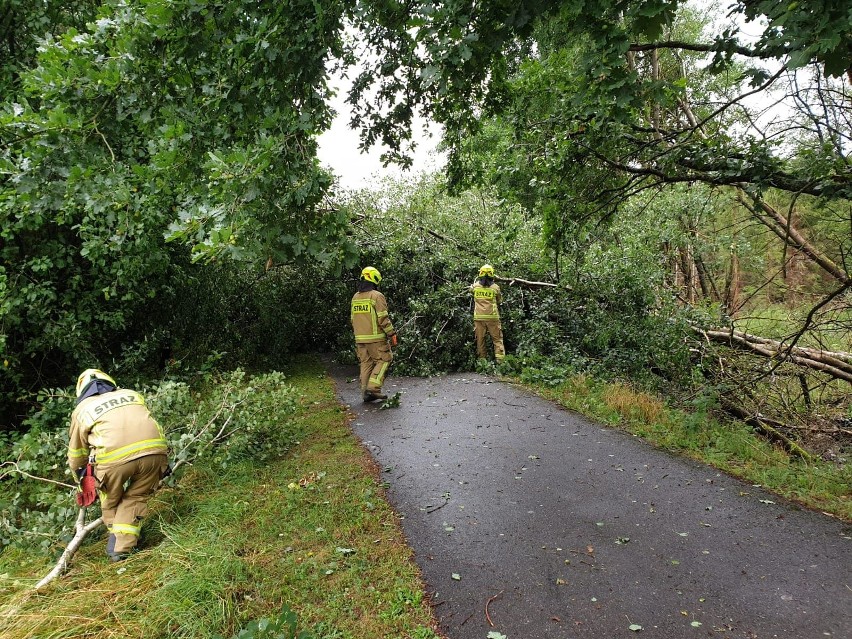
(532, 522)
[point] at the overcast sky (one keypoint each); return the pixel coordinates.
(338, 149)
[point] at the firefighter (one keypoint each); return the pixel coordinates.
(486, 313)
(374, 334)
(113, 428)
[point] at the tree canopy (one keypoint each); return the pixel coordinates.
(140, 140)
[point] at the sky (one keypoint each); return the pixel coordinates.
(338, 149)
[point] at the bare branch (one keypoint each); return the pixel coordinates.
(81, 530)
(700, 48)
(517, 281)
(17, 469)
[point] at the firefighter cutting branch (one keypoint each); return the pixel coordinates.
(116, 443)
(486, 313)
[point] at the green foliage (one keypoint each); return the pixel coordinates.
(391, 402)
(142, 137)
(25, 23)
(282, 626)
(606, 316)
(805, 30)
(34, 513)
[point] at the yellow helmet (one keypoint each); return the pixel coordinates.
(371, 274)
(486, 271)
(89, 375)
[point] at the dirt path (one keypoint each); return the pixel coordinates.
(558, 527)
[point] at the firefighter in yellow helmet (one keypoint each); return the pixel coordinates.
(113, 428)
(486, 313)
(374, 334)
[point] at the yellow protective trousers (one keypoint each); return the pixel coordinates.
(124, 492)
(375, 359)
(495, 330)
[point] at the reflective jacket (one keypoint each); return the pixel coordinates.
(370, 321)
(485, 301)
(117, 427)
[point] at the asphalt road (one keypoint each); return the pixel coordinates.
(532, 522)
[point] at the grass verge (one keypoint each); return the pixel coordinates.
(728, 446)
(311, 531)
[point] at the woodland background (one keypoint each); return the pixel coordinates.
(664, 188)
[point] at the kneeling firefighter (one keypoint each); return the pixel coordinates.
(374, 334)
(113, 429)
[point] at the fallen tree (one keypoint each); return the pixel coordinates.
(837, 364)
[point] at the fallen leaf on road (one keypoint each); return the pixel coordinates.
(635, 627)
(495, 635)
(456, 576)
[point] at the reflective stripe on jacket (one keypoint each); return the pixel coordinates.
(369, 314)
(117, 426)
(486, 300)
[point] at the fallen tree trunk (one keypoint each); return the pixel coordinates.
(790, 235)
(838, 364)
(763, 427)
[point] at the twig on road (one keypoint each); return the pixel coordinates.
(487, 616)
(431, 509)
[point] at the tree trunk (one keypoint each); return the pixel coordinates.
(780, 225)
(733, 285)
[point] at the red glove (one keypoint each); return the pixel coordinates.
(394, 340)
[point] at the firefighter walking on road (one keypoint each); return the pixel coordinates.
(486, 313)
(113, 428)
(374, 334)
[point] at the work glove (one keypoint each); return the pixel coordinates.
(87, 491)
(394, 340)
